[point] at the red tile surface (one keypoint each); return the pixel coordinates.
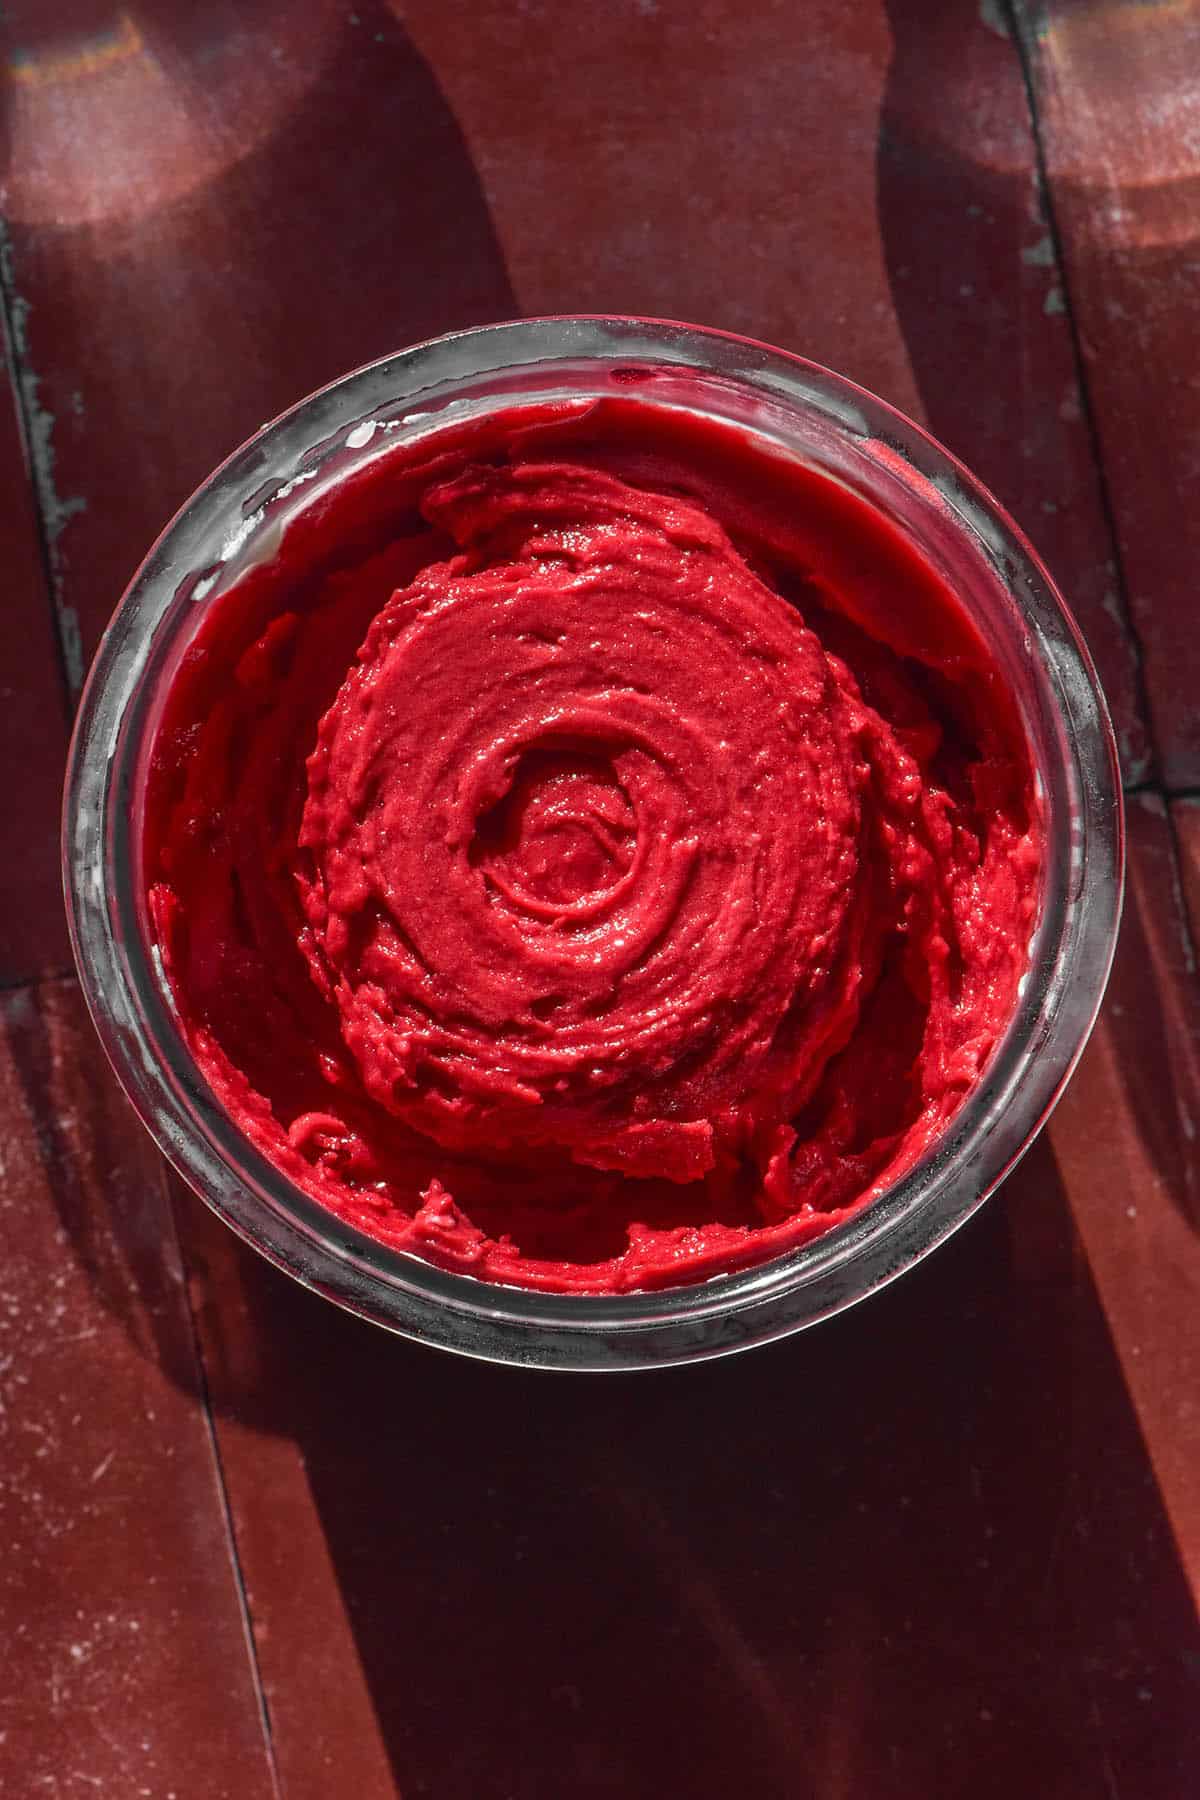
(915, 1552)
(126, 1668)
(217, 209)
(1125, 1141)
(1119, 102)
(33, 726)
(327, 1735)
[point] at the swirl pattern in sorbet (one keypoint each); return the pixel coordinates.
(622, 872)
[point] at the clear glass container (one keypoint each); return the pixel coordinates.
(236, 519)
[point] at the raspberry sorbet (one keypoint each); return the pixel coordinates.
(594, 852)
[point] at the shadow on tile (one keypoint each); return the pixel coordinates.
(916, 1550)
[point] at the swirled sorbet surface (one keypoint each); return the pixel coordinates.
(593, 852)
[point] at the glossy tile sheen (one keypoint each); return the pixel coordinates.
(1124, 1138)
(1119, 101)
(285, 239)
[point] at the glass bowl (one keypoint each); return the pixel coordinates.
(237, 518)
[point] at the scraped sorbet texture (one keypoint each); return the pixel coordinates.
(594, 853)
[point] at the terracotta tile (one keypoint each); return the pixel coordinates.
(327, 1738)
(203, 228)
(1125, 1140)
(917, 1551)
(126, 1666)
(33, 729)
(1119, 105)
(857, 183)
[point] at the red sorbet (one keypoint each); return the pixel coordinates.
(595, 853)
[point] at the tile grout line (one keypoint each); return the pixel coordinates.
(1191, 926)
(23, 382)
(57, 975)
(1024, 37)
(1131, 790)
(205, 1396)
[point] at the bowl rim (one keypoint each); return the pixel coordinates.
(396, 1289)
